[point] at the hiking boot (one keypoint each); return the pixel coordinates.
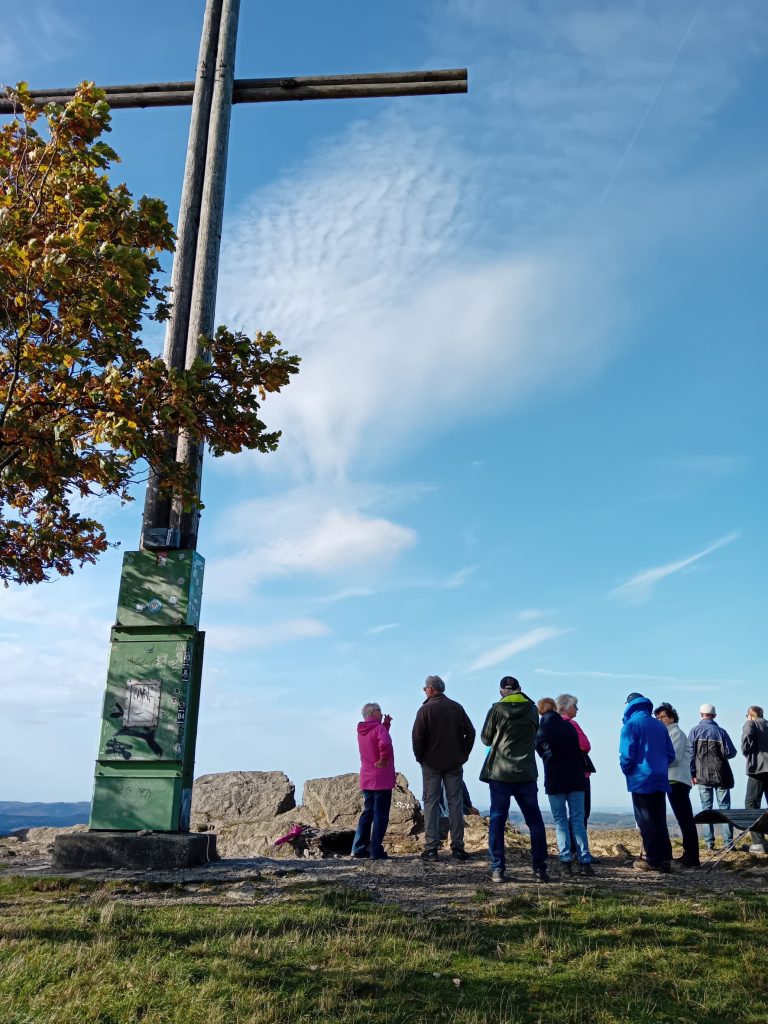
(540, 874)
(683, 863)
(361, 854)
(461, 855)
(586, 869)
(497, 875)
(429, 855)
(665, 868)
(566, 868)
(380, 856)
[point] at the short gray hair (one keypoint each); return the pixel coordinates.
(565, 702)
(368, 709)
(436, 683)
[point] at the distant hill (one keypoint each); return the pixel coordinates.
(16, 814)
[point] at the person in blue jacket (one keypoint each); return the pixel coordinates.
(645, 754)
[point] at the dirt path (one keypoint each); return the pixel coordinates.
(441, 888)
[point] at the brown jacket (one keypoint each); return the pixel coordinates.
(443, 735)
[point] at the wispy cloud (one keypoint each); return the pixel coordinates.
(520, 643)
(347, 594)
(239, 637)
(638, 588)
(374, 630)
(458, 579)
(531, 614)
(678, 682)
(34, 38)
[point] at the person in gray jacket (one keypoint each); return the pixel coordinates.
(712, 749)
(679, 795)
(754, 746)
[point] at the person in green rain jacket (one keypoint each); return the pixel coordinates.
(510, 770)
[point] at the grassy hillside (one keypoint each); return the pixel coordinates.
(74, 953)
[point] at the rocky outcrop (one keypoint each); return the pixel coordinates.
(336, 802)
(257, 838)
(250, 810)
(234, 798)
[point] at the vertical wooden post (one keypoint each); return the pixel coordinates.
(157, 507)
(203, 299)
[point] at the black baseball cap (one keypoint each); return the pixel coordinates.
(509, 683)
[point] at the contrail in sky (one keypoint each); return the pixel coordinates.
(651, 105)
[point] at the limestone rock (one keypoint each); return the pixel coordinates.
(247, 839)
(336, 803)
(229, 798)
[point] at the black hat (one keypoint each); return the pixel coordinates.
(632, 696)
(509, 683)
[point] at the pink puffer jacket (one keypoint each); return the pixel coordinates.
(375, 745)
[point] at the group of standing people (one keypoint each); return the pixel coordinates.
(515, 729)
(658, 760)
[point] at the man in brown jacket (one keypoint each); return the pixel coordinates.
(443, 737)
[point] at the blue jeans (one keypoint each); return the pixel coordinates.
(568, 812)
(723, 802)
(373, 822)
(528, 802)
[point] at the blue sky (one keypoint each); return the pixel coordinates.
(528, 436)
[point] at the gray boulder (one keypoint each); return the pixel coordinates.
(232, 798)
(336, 803)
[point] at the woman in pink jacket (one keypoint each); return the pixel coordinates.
(377, 780)
(567, 708)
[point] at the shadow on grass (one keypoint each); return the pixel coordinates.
(330, 953)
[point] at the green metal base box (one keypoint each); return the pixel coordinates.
(160, 588)
(131, 799)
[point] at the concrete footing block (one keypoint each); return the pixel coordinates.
(138, 851)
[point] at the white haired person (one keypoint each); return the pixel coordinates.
(377, 780)
(712, 749)
(568, 708)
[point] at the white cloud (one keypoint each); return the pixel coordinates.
(347, 594)
(238, 637)
(531, 614)
(374, 630)
(640, 586)
(458, 579)
(303, 533)
(520, 643)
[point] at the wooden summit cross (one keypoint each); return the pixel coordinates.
(196, 262)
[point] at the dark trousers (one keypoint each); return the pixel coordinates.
(651, 817)
(757, 788)
(525, 795)
(373, 822)
(680, 802)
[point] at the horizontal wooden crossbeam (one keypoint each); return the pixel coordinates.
(273, 90)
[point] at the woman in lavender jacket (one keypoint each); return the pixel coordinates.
(377, 780)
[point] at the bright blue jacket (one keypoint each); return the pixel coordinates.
(645, 749)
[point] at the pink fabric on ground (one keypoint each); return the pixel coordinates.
(375, 744)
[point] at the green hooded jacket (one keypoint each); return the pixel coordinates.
(510, 731)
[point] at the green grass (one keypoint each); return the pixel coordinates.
(79, 952)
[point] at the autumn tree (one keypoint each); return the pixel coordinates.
(85, 409)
